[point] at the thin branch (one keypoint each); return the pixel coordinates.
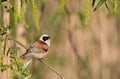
(42, 61)
(17, 42)
(107, 6)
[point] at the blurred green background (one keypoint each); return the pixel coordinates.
(77, 51)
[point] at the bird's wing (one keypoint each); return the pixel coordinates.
(39, 49)
(38, 46)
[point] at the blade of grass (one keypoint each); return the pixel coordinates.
(107, 6)
(93, 3)
(26, 65)
(99, 4)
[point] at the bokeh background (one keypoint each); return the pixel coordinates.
(77, 51)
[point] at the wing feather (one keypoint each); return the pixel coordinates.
(37, 49)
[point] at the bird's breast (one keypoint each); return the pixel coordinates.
(39, 54)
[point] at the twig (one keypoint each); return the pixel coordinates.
(42, 61)
(107, 6)
(17, 42)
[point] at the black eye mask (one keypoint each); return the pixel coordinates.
(45, 38)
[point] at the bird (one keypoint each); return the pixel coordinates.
(39, 48)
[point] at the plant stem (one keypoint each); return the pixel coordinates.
(4, 47)
(17, 42)
(42, 61)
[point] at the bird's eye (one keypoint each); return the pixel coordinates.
(45, 38)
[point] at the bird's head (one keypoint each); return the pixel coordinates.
(45, 38)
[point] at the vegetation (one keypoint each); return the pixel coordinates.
(13, 15)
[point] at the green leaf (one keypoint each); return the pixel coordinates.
(16, 49)
(28, 77)
(81, 17)
(15, 76)
(26, 65)
(99, 4)
(93, 3)
(4, 67)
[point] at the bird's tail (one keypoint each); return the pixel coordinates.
(23, 56)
